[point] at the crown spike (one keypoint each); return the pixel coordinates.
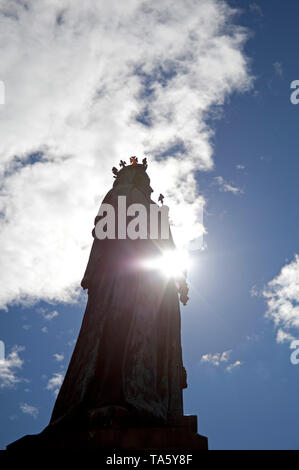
(133, 160)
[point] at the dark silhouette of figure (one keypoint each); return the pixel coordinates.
(127, 363)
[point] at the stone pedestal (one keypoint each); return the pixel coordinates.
(180, 434)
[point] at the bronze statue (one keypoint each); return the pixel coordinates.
(127, 364)
(123, 387)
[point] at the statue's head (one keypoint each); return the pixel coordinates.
(134, 174)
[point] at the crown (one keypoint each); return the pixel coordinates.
(133, 163)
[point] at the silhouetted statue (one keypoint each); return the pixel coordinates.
(127, 363)
(123, 386)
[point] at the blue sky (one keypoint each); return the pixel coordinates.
(246, 398)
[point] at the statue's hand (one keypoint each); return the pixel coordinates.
(183, 290)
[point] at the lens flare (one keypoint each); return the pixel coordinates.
(172, 263)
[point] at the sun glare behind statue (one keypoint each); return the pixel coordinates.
(172, 263)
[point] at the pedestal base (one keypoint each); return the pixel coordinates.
(180, 434)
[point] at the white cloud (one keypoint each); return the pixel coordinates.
(233, 366)
(284, 337)
(254, 292)
(76, 78)
(55, 382)
(225, 356)
(49, 316)
(210, 358)
(219, 359)
(278, 68)
(44, 329)
(282, 297)
(216, 358)
(58, 357)
(9, 367)
(240, 167)
(227, 187)
(29, 410)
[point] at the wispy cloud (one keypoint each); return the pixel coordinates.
(220, 359)
(55, 383)
(9, 367)
(227, 187)
(216, 358)
(233, 366)
(282, 297)
(103, 82)
(278, 68)
(284, 337)
(240, 167)
(255, 8)
(255, 292)
(13, 417)
(29, 410)
(58, 357)
(49, 316)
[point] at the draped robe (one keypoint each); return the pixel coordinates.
(128, 354)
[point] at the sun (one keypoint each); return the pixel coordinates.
(172, 263)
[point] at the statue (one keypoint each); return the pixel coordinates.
(127, 363)
(123, 387)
